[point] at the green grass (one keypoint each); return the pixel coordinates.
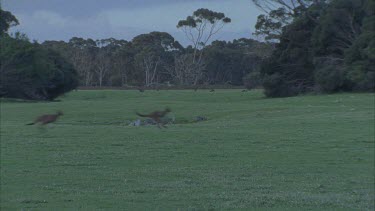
(309, 152)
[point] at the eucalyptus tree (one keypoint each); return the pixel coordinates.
(290, 6)
(152, 53)
(229, 62)
(82, 56)
(280, 13)
(7, 20)
(105, 60)
(123, 63)
(199, 29)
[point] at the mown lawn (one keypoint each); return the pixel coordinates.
(308, 152)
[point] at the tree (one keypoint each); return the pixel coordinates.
(360, 57)
(229, 62)
(124, 62)
(329, 48)
(31, 71)
(80, 53)
(149, 62)
(183, 71)
(290, 6)
(199, 29)
(343, 40)
(104, 59)
(153, 51)
(280, 13)
(102, 64)
(270, 26)
(7, 20)
(290, 69)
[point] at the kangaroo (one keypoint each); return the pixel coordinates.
(47, 118)
(156, 116)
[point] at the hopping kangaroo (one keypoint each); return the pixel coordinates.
(156, 116)
(47, 118)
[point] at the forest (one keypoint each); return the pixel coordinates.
(320, 46)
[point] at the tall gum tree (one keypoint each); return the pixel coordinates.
(199, 30)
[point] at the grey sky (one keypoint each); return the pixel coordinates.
(62, 19)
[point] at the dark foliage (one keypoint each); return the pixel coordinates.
(30, 71)
(329, 46)
(252, 80)
(7, 20)
(230, 62)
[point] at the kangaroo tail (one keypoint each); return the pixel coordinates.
(31, 123)
(142, 115)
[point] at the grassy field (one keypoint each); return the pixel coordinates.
(309, 152)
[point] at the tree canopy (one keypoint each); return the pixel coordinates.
(7, 20)
(329, 47)
(29, 70)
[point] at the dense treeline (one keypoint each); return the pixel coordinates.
(311, 45)
(327, 46)
(46, 70)
(156, 58)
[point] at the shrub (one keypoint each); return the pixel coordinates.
(252, 80)
(329, 78)
(275, 86)
(30, 71)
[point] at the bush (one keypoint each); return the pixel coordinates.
(360, 61)
(29, 71)
(252, 80)
(360, 79)
(274, 86)
(329, 78)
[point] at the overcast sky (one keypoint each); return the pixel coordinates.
(123, 19)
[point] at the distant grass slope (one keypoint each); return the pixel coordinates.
(309, 152)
